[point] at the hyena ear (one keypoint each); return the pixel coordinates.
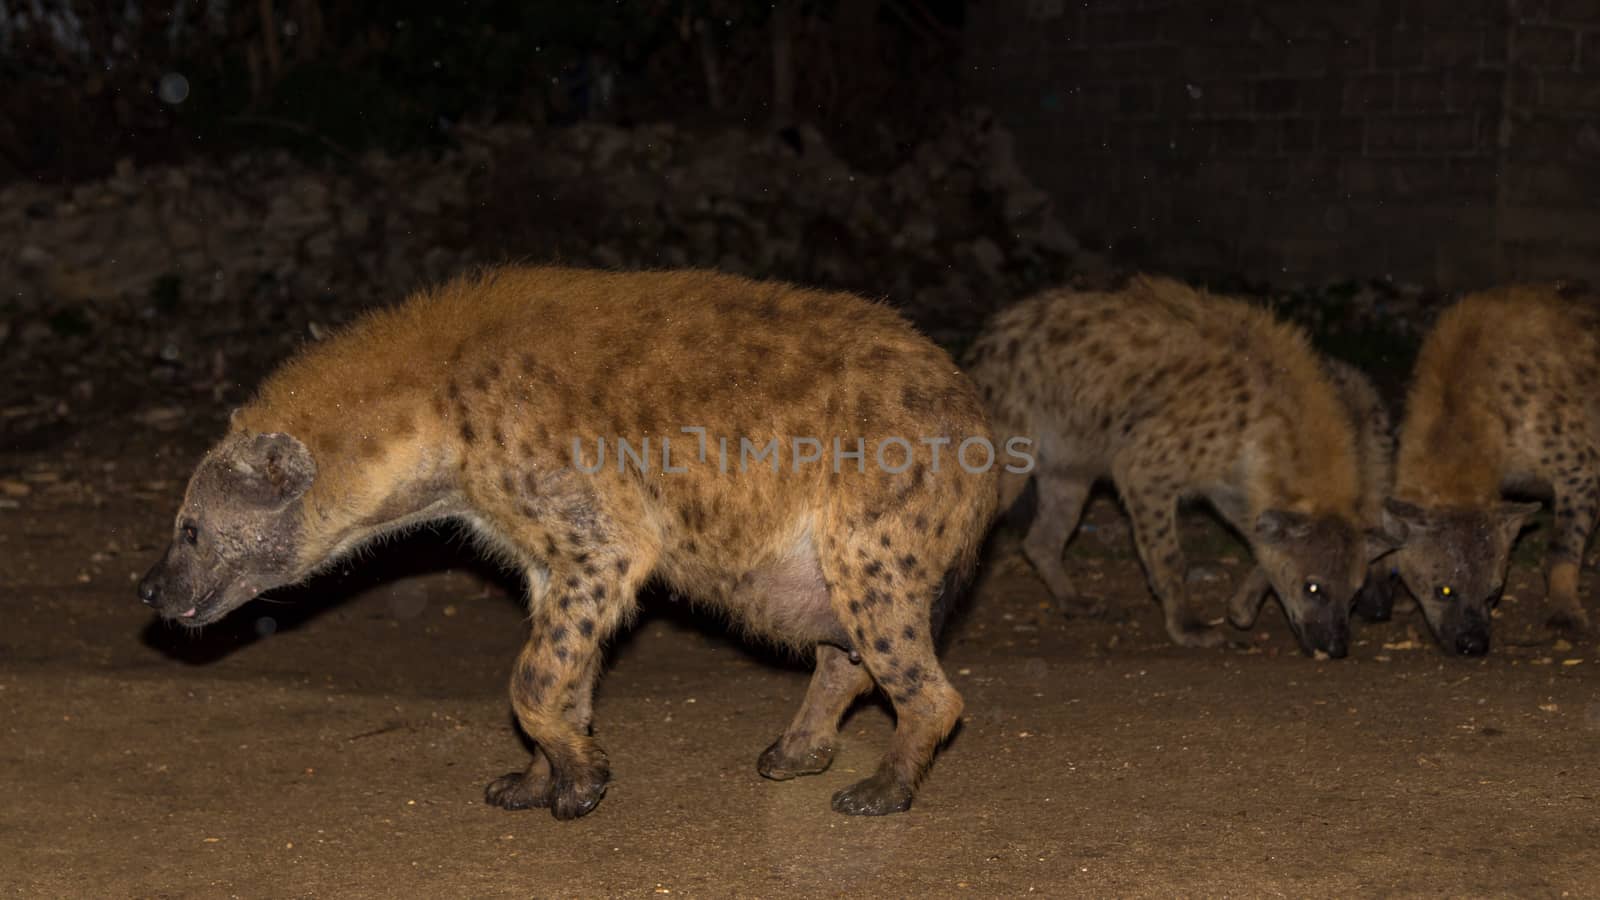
(1400, 519)
(1276, 525)
(1515, 515)
(273, 470)
(1381, 542)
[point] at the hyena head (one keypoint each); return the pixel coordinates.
(238, 531)
(1454, 563)
(1315, 564)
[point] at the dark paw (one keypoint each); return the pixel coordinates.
(1083, 606)
(1573, 622)
(1197, 634)
(514, 790)
(570, 799)
(879, 795)
(780, 765)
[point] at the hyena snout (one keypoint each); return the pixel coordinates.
(175, 592)
(1332, 638)
(1473, 643)
(1462, 630)
(150, 591)
(159, 588)
(1473, 638)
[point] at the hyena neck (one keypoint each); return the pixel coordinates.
(370, 480)
(1314, 475)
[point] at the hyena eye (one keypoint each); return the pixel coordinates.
(191, 534)
(1313, 588)
(1444, 592)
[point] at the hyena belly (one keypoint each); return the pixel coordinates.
(1502, 404)
(786, 599)
(1171, 394)
(493, 400)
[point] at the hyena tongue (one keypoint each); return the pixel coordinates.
(190, 613)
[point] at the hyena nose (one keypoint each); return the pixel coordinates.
(148, 593)
(1472, 644)
(1338, 648)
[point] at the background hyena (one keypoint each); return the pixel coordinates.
(465, 402)
(1503, 400)
(1172, 393)
(1374, 445)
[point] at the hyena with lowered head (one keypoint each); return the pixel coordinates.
(1374, 433)
(765, 488)
(1172, 393)
(1503, 400)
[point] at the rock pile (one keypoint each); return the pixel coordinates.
(952, 233)
(195, 279)
(201, 276)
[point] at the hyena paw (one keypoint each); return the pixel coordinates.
(1197, 634)
(515, 790)
(1242, 615)
(1086, 606)
(578, 796)
(781, 763)
(879, 795)
(1572, 621)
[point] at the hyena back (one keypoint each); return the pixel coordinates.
(1172, 394)
(491, 399)
(1503, 401)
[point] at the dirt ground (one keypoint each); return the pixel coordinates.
(337, 743)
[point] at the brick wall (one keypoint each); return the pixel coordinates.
(1451, 142)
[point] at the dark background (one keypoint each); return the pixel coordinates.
(190, 190)
(1433, 141)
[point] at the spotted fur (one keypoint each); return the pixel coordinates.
(1172, 393)
(464, 402)
(1374, 446)
(1503, 402)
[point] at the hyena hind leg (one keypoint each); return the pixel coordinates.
(885, 606)
(1061, 499)
(1155, 532)
(808, 745)
(1575, 518)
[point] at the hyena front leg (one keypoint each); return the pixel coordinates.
(1375, 600)
(1575, 517)
(552, 684)
(1155, 532)
(808, 745)
(1061, 500)
(1246, 603)
(536, 785)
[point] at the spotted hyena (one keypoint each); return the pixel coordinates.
(803, 460)
(1374, 444)
(1503, 401)
(1172, 394)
